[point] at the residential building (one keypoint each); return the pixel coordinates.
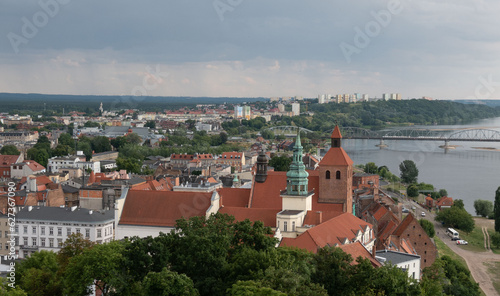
(295, 109)
(56, 163)
(234, 159)
(25, 169)
(5, 164)
(46, 228)
(407, 262)
(4, 234)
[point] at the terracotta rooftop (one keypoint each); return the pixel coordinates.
(163, 208)
(268, 216)
(234, 197)
(336, 156)
(336, 133)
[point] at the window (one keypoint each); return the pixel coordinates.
(59, 242)
(78, 230)
(1, 234)
(51, 230)
(99, 233)
(25, 229)
(293, 225)
(42, 230)
(87, 233)
(16, 229)
(68, 231)
(33, 229)
(285, 226)
(59, 231)
(51, 242)
(42, 242)
(25, 241)
(327, 175)
(337, 175)
(33, 240)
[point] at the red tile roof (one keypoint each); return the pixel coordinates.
(403, 225)
(268, 216)
(330, 233)
(357, 250)
(267, 195)
(182, 156)
(163, 208)
(34, 166)
(234, 197)
(7, 160)
(444, 201)
(336, 133)
(336, 156)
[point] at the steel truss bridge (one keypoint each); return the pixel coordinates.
(416, 134)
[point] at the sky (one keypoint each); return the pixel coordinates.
(443, 49)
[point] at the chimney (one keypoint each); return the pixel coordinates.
(73, 208)
(319, 217)
(374, 251)
(30, 208)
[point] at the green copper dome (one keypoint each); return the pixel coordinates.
(297, 177)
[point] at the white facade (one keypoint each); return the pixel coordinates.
(295, 109)
(19, 170)
(55, 164)
(46, 228)
(95, 166)
(407, 262)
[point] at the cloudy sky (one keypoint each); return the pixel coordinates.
(445, 49)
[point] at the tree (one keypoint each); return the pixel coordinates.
(456, 217)
(132, 165)
(267, 134)
(495, 239)
(428, 227)
(74, 245)
(100, 266)
(151, 124)
(133, 138)
(37, 274)
(42, 157)
(412, 190)
(280, 163)
(118, 142)
(245, 288)
(65, 139)
(168, 282)
(9, 150)
(443, 192)
(483, 207)
(371, 168)
(100, 144)
(6, 290)
(409, 171)
(333, 268)
(496, 210)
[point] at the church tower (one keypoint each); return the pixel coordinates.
(297, 196)
(335, 174)
(296, 200)
(261, 173)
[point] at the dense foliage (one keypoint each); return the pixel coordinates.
(219, 256)
(409, 171)
(496, 210)
(428, 227)
(456, 217)
(483, 208)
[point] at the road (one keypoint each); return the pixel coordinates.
(475, 260)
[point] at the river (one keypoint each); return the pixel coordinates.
(466, 172)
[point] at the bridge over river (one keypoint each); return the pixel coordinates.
(415, 134)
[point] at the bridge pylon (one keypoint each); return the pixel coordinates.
(382, 144)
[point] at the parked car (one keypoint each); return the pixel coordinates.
(455, 238)
(423, 214)
(405, 210)
(461, 242)
(413, 208)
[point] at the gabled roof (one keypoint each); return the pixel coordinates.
(267, 194)
(267, 216)
(357, 250)
(335, 231)
(403, 225)
(7, 160)
(163, 208)
(336, 133)
(234, 197)
(336, 156)
(444, 201)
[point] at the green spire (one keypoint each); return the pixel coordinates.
(297, 177)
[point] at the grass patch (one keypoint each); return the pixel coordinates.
(494, 270)
(444, 250)
(493, 249)
(475, 240)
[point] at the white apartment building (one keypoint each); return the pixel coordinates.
(296, 109)
(407, 262)
(56, 163)
(46, 228)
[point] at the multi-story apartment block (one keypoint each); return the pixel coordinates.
(55, 164)
(4, 235)
(234, 159)
(46, 228)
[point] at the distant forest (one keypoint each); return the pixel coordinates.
(54, 104)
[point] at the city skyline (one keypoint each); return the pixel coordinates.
(442, 50)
